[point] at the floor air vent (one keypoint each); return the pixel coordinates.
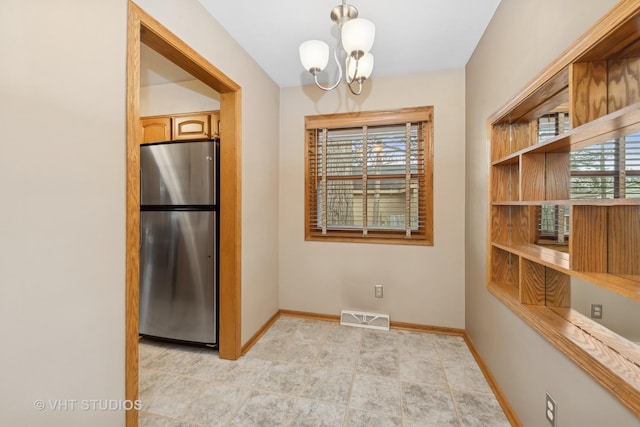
(364, 320)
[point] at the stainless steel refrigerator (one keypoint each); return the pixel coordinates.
(178, 241)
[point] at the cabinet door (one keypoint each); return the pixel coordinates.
(215, 124)
(197, 126)
(156, 129)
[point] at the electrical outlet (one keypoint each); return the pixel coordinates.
(551, 410)
(596, 311)
(378, 291)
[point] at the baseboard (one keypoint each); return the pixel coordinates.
(309, 315)
(427, 328)
(497, 391)
(254, 339)
(394, 325)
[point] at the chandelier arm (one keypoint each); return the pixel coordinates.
(350, 82)
(355, 72)
(359, 86)
(335, 57)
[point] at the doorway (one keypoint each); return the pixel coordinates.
(142, 28)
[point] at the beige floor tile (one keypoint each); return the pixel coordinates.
(264, 409)
(214, 405)
(479, 409)
(427, 403)
(328, 386)
(376, 394)
(357, 418)
(423, 371)
(308, 413)
(381, 363)
(305, 372)
(286, 378)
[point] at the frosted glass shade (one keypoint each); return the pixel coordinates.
(314, 54)
(365, 67)
(358, 35)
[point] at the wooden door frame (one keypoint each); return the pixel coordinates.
(142, 28)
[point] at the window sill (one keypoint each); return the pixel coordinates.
(371, 239)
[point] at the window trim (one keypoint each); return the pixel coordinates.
(374, 118)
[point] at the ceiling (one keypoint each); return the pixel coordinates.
(411, 35)
(422, 35)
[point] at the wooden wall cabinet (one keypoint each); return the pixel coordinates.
(181, 127)
(596, 82)
(155, 129)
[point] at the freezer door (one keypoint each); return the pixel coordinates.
(177, 275)
(180, 173)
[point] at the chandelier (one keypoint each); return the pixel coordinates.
(356, 37)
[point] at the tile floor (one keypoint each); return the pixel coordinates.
(315, 373)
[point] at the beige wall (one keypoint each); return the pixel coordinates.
(62, 181)
(422, 285)
(523, 37)
(62, 232)
(174, 98)
(260, 104)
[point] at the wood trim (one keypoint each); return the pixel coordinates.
(309, 315)
(614, 125)
(415, 327)
(142, 28)
(230, 312)
(134, 137)
(497, 391)
(622, 345)
(611, 369)
(182, 114)
(396, 240)
(176, 51)
(428, 181)
(370, 118)
(612, 21)
(254, 339)
(424, 235)
(393, 325)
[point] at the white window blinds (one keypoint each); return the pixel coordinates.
(608, 170)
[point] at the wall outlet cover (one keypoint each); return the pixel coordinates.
(551, 410)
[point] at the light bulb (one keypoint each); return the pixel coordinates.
(365, 67)
(314, 55)
(358, 35)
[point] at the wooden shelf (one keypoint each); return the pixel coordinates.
(607, 357)
(548, 257)
(571, 202)
(623, 284)
(614, 125)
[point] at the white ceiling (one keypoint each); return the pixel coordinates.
(411, 35)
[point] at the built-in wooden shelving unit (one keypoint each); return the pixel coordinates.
(596, 82)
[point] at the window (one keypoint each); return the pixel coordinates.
(369, 176)
(553, 124)
(610, 170)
